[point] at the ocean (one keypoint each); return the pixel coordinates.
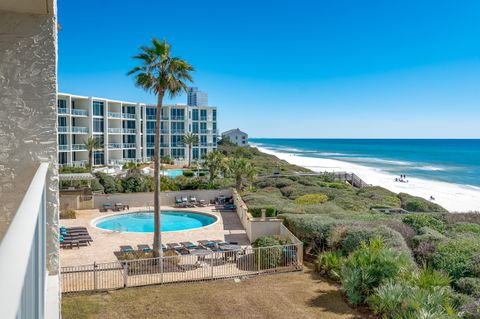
(454, 161)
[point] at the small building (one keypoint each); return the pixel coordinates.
(236, 136)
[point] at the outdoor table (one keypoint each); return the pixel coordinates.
(119, 206)
(201, 254)
(230, 251)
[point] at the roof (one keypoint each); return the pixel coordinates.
(236, 131)
(76, 177)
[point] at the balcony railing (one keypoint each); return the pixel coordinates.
(79, 112)
(63, 148)
(178, 131)
(115, 130)
(128, 116)
(151, 117)
(23, 255)
(150, 131)
(150, 145)
(79, 147)
(203, 118)
(129, 145)
(129, 131)
(62, 110)
(63, 129)
(81, 163)
(114, 145)
(79, 129)
(203, 131)
(164, 118)
(178, 118)
(114, 115)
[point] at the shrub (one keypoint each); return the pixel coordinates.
(269, 257)
(368, 267)
(96, 186)
(418, 204)
(129, 165)
(425, 243)
(330, 263)
(399, 299)
(469, 286)
(349, 237)
(311, 199)
(110, 184)
(166, 160)
(466, 228)
(137, 183)
(418, 221)
(68, 214)
(188, 173)
(457, 257)
(257, 211)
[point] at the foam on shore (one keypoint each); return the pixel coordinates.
(454, 197)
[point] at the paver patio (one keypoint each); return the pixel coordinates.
(228, 228)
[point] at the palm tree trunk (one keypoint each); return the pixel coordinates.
(90, 160)
(157, 234)
(189, 154)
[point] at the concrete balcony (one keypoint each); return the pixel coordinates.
(115, 130)
(113, 146)
(79, 130)
(79, 112)
(128, 116)
(114, 115)
(79, 147)
(129, 131)
(62, 110)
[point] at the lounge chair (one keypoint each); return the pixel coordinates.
(193, 201)
(174, 246)
(106, 207)
(126, 249)
(144, 248)
(188, 245)
(202, 203)
(207, 243)
(178, 202)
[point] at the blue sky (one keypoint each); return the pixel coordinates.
(293, 68)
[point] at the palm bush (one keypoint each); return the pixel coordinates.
(458, 257)
(368, 267)
(469, 286)
(330, 264)
(396, 299)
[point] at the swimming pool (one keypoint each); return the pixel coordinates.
(142, 222)
(173, 173)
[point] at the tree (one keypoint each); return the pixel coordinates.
(160, 73)
(190, 140)
(214, 162)
(92, 144)
(241, 170)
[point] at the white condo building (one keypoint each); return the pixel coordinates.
(195, 97)
(126, 130)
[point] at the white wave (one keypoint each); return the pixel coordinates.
(430, 168)
(377, 160)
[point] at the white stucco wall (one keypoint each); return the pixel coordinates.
(28, 87)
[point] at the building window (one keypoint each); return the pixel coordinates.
(98, 158)
(195, 127)
(178, 153)
(203, 115)
(62, 104)
(203, 140)
(98, 108)
(203, 152)
(98, 125)
(177, 140)
(62, 158)
(62, 121)
(195, 115)
(214, 115)
(177, 114)
(195, 154)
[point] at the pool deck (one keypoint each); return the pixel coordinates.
(228, 228)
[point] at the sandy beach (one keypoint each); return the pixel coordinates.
(454, 197)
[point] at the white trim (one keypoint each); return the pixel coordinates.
(17, 244)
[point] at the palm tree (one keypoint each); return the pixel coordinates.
(160, 73)
(190, 139)
(241, 170)
(214, 162)
(92, 144)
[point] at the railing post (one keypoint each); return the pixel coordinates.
(125, 274)
(94, 276)
(214, 257)
(259, 257)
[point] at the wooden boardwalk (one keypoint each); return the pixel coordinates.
(350, 178)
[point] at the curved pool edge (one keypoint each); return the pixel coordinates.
(94, 221)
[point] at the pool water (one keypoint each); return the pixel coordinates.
(142, 222)
(172, 173)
